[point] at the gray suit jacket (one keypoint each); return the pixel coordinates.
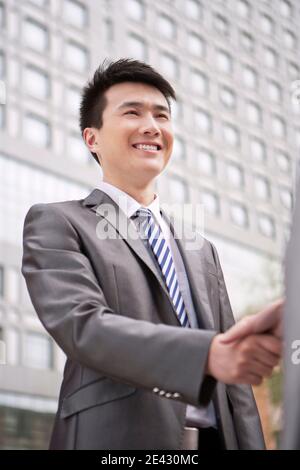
(131, 368)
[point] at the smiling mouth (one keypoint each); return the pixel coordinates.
(155, 148)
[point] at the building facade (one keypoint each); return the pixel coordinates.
(235, 67)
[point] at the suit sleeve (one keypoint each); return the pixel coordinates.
(246, 417)
(71, 305)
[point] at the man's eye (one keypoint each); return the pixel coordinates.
(163, 115)
(131, 112)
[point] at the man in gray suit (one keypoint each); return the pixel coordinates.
(139, 315)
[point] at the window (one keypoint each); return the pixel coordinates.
(278, 127)
(37, 351)
(227, 97)
(262, 187)
(235, 175)
(13, 346)
(37, 130)
(1, 281)
(169, 65)
(36, 35)
(192, 9)
(243, 8)
(267, 24)
(73, 97)
(274, 91)
(211, 202)
(176, 110)
(286, 9)
(178, 149)
(293, 71)
(239, 214)
(297, 133)
(77, 150)
(231, 135)
(136, 9)
(283, 161)
(286, 198)
(254, 113)
(224, 61)
(75, 13)
(199, 82)
(2, 117)
(108, 31)
(203, 121)
(36, 82)
(12, 285)
(258, 149)
(289, 39)
(178, 190)
(271, 58)
(221, 24)
(39, 3)
(266, 225)
(2, 16)
(250, 77)
(137, 47)
(195, 45)
(2, 65)
(247, 41)
(76, 57)
(166, 26)
(206, 161)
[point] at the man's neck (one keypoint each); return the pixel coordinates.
(144, 195)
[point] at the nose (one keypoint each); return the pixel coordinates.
(150, 126)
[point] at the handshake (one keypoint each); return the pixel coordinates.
(249, 350)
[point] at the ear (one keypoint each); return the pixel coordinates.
(90, 139)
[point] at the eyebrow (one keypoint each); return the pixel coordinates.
(139, 104)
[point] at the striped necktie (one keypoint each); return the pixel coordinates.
(151, 230)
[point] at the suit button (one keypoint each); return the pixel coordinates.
(156, 390)
(162, 392)
(176, 395)
(168, 395)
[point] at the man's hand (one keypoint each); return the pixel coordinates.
(268, 320)
(245, 361)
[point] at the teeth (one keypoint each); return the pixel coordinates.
(146, 147)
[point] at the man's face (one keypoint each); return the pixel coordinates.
(136, 139)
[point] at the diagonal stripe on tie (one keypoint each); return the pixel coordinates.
(151, 230)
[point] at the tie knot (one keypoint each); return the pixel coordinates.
(143, 213)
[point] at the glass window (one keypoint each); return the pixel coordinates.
(293, 70)
(250, 77)
(36, 82)
(73, 98)
(192, 9)
(199, 82)
(231, 135)
(40, 3)
(235, 175)
(243, 8)
(137, 47)
(12, 285)
(247, 41)
(297, 132)
(169, 65)
(286, 198)
(258, 149)
(221, 24)
(289, 39)
(266, 225)
(176, 110)
(211, 202)
(13, 346)
(2, 65)
(227, 97)
(36, 35)
(36, 130)
(283, 161)
(77, 150)
(76, 57)
(203, 121)
(2, 117)
(262, 187)
(178, 149)
(254, 113)
(2, 16)
(195, 45)
(108, 31)
(286, 8)
(274, 91)
(75, 13)
(178, 190)
(278, 127)
(166, 26)
(239, 214)
(37, 351)
(136, 9)
(206, 161)
(224, 61)
(267, 24)
(270, 58)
